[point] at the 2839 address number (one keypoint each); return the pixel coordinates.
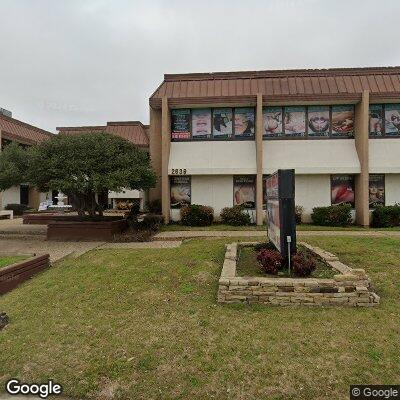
(178, 171)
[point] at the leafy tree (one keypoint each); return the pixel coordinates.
(83, 167)
(14, 161)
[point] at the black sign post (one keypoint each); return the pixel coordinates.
(280, 189)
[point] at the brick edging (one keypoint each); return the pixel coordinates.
(12, 275)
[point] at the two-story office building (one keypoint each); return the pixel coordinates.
(214, 137)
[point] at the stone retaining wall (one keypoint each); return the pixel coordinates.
(350, 287)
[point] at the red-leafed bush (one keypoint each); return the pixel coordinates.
(270, 260)
(302, 265)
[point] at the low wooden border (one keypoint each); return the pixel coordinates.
(350, 287)
(12, 275)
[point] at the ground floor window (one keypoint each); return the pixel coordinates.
(376, 190)
(342, 189)
(181, 191)
(244, 191)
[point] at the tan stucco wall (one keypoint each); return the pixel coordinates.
(155, 151)
(361, 133)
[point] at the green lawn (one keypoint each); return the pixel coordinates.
(302, 227)
(7, 260)
(144, 324)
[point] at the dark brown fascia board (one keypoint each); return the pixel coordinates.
(80, 128)
(16, 138)
(285, 73)
(116, 123)
(252, 99)
(24, 124)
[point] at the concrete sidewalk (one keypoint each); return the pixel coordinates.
(178, 235)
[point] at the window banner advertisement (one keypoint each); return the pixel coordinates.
(318, 121)
(244, 191)
(342, 189)
(343, 120)
(180, 191)
(375, 120)
(392, 119)
(180, 124)
(201, 123)
(244, 122)
(272, 118)
(376, 190)
(281, 224)
(222, 122)
(295, 121)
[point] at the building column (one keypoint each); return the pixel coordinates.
(155, 151)
(259, 161)
(1, 193)
(165, 149)
(361, 134)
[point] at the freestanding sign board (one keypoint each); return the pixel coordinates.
(280, 189)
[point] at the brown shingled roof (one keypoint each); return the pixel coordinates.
(14, 129)
(279, 86)
(133, 131)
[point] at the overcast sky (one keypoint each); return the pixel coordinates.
(67, 62)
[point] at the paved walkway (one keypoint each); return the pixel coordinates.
(59, 250)
(176, 235)
(16, 227)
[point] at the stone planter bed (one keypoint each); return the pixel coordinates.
(349, 287)
(14, 274)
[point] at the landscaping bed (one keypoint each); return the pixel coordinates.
(347, 286)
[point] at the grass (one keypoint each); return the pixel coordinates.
(7, 260)
(248, 266)
(302, 227)
(144, 324)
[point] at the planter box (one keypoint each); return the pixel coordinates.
(45, 217)
(85, 230)
(350, 287)
(14, 274)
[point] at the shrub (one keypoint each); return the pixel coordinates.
(266, 245)
(386, 216)
(152, 222)
(298, 213)
(302, 265)
(18, 209)
(339, 215)
(154, 206)
(197, 215)
(235, 216)
(270, 260)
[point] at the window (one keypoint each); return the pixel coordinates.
(392, 119)
(376, 190)
(319, 121)
(222, 123)
(181, 191)
(342, 189)
(244, 191)
(294, 121)
(376, 127)
(180, 124)
(384, 120)
(201, 123)
(272, 118)
(244, 122)
(264, 184)
(309, 122)
(342, 121)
